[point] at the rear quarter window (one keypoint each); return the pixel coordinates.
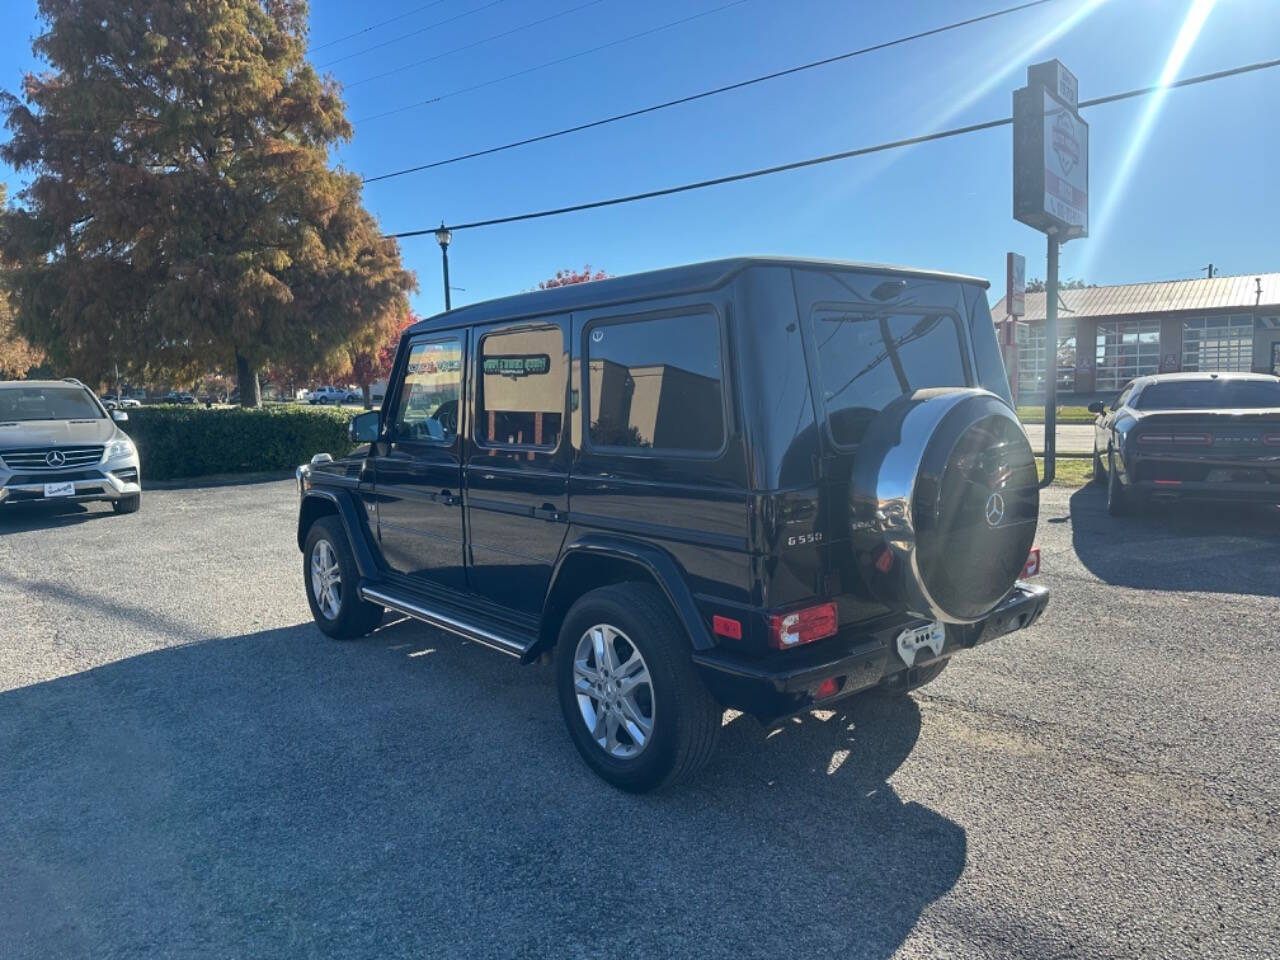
(869, 358)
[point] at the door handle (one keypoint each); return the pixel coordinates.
(547, 512)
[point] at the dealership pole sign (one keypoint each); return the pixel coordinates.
(1050, 154)
(1015, 285)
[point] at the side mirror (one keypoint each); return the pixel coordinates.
(1097, 407)
(363, 427)
(119, 416)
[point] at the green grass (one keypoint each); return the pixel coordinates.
(1033, 414)
(1070, 472)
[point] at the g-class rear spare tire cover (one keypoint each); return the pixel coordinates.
(944, 502)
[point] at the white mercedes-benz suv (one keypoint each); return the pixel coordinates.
(57, 442)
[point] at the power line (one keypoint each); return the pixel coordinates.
(469, 46)
(375, 26)
(551, 63)
(414, 33)
(831, 157)
(713, 92)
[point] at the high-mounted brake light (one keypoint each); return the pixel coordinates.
(795, 629)
(1032, 566)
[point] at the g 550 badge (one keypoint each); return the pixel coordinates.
(804, 539)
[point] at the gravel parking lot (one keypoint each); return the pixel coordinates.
(189, 769)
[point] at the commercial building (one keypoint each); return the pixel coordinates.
(1109, 335)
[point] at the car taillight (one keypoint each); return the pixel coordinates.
(795, 629)
(1271, 439)
(1194, 439)
(1155, 438)
(1032, 566)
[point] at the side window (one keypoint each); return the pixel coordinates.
(656, 383)
(522, 381)
(427, 408)
(1121, 400)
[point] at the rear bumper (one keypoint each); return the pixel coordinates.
(784, 683)
(1208, 477)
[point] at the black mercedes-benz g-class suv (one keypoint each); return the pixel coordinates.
(757, 483)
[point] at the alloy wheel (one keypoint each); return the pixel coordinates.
(326, 579)
(614, 691)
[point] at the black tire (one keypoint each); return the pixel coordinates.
(903, 683)
(354, 617)
(1118, 502)
(129, 504)
(1099, 471)
(685, 719)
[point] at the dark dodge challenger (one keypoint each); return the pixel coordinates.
(1213, 436)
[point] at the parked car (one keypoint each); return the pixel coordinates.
(763, 484)
(57, 442)
(178, 397)
(322, 395)
(1208, 436)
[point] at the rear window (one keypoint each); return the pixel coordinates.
(867, 359)
(47, 403)
(1210, 395)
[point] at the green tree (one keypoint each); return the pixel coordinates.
(182, 215)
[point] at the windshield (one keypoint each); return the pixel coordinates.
(1211, 395)
(869, 359)
(47, 403)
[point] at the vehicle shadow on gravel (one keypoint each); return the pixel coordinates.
(26, 517)
(279, 794)
(1216, 548)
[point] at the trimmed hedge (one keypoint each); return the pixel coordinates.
(176, 442)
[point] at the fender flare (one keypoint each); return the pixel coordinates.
(352, 522)
(660, 565)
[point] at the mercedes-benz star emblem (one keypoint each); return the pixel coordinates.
(55, 458)
(995, 510)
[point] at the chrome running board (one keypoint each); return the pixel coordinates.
(445, 622)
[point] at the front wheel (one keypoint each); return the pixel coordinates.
(129, 504)
(331, 578)
(636, 709)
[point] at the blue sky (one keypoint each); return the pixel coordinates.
(1203, 187)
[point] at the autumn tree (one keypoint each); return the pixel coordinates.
(564, 278)
(371, 361)
(17, 356)
(181, 213)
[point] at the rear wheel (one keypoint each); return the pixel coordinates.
(331, 578)
(129, 504)
(636, 709)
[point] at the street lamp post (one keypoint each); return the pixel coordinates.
(443, 236)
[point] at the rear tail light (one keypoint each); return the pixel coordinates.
(1155, 438)
(795, 629)
(1032, 566)
(726, 627)
(1271, 439)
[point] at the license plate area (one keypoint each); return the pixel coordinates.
(929, 636)
(65, 489)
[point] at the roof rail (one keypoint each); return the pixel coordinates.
(72, 380)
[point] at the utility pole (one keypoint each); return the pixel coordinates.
(1212, 272)
(1051, 358)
